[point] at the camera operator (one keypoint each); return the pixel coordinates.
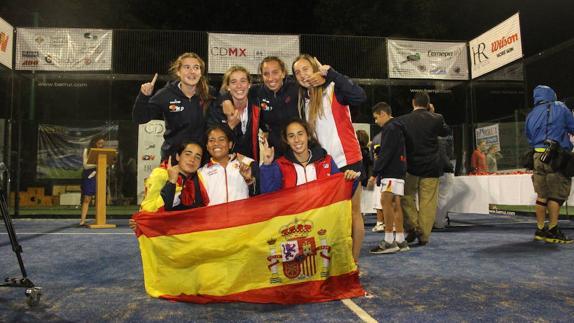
(547, 127)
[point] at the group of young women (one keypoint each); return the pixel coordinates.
(306, 125)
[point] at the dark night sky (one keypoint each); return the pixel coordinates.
(545, 23)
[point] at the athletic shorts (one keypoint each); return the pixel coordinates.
(393, 185)
(377, 198)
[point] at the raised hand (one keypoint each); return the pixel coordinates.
(245, 171)
(268, 152)
(172, 171)
(318, 78)
(147, 88)
(233, 119)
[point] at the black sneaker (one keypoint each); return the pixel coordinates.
(554, 235)
(540, 235)
(385, 247)
(411, 236)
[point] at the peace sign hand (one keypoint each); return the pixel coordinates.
(172, 171)
(268, 152)
(147, 88)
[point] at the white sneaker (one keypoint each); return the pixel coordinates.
(379, 228)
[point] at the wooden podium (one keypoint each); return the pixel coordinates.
(101, 157)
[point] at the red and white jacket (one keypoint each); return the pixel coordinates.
(224, 184)
(334, 129)
(287, 172)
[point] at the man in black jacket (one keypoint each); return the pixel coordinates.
(424, 167)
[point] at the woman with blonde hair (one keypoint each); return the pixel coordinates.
(326, 109)
(182, 103)
(244, 124)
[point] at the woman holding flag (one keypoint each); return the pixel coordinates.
(304, 160)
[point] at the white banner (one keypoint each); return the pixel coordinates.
(226, 50)
(63, 49)
(496, 47)
(6, 41)
(490, 135)
(150, 139)
(427, 60)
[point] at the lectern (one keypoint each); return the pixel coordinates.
(101, 157)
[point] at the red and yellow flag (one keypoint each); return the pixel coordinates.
(287, 247)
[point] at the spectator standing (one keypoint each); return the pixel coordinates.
(422, 129)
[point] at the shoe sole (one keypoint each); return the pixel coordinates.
(558, 241)
(385, 251)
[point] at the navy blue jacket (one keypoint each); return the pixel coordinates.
(391, 161)
(184, 117)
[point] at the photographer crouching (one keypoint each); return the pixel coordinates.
(547, 127)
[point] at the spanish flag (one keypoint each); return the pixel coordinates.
(287, 247)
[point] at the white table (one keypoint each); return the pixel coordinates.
(473, 194)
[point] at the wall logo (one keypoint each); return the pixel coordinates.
(90, 36)
(153, 128)
(148, 157)
(30, 62)
(231, 51)
(503, 42)
(478, 53)
(30, 53)
(3, 41)
(412, 58)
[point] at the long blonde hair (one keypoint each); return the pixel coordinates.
(202, 87)
(315, 94)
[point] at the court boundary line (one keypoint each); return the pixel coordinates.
(361, 313)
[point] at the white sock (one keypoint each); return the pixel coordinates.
(379, 223)
(400, 237)
(389, 237)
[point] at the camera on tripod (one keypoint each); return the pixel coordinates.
(550, 150)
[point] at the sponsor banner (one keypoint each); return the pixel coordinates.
(427, 60)
(60, 148)
(6, 41)
(150, 139)
(488, 134)
(496, 47)
(226, 50)
(295, 252)
(63, 49)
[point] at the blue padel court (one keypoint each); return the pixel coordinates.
(483, 268)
